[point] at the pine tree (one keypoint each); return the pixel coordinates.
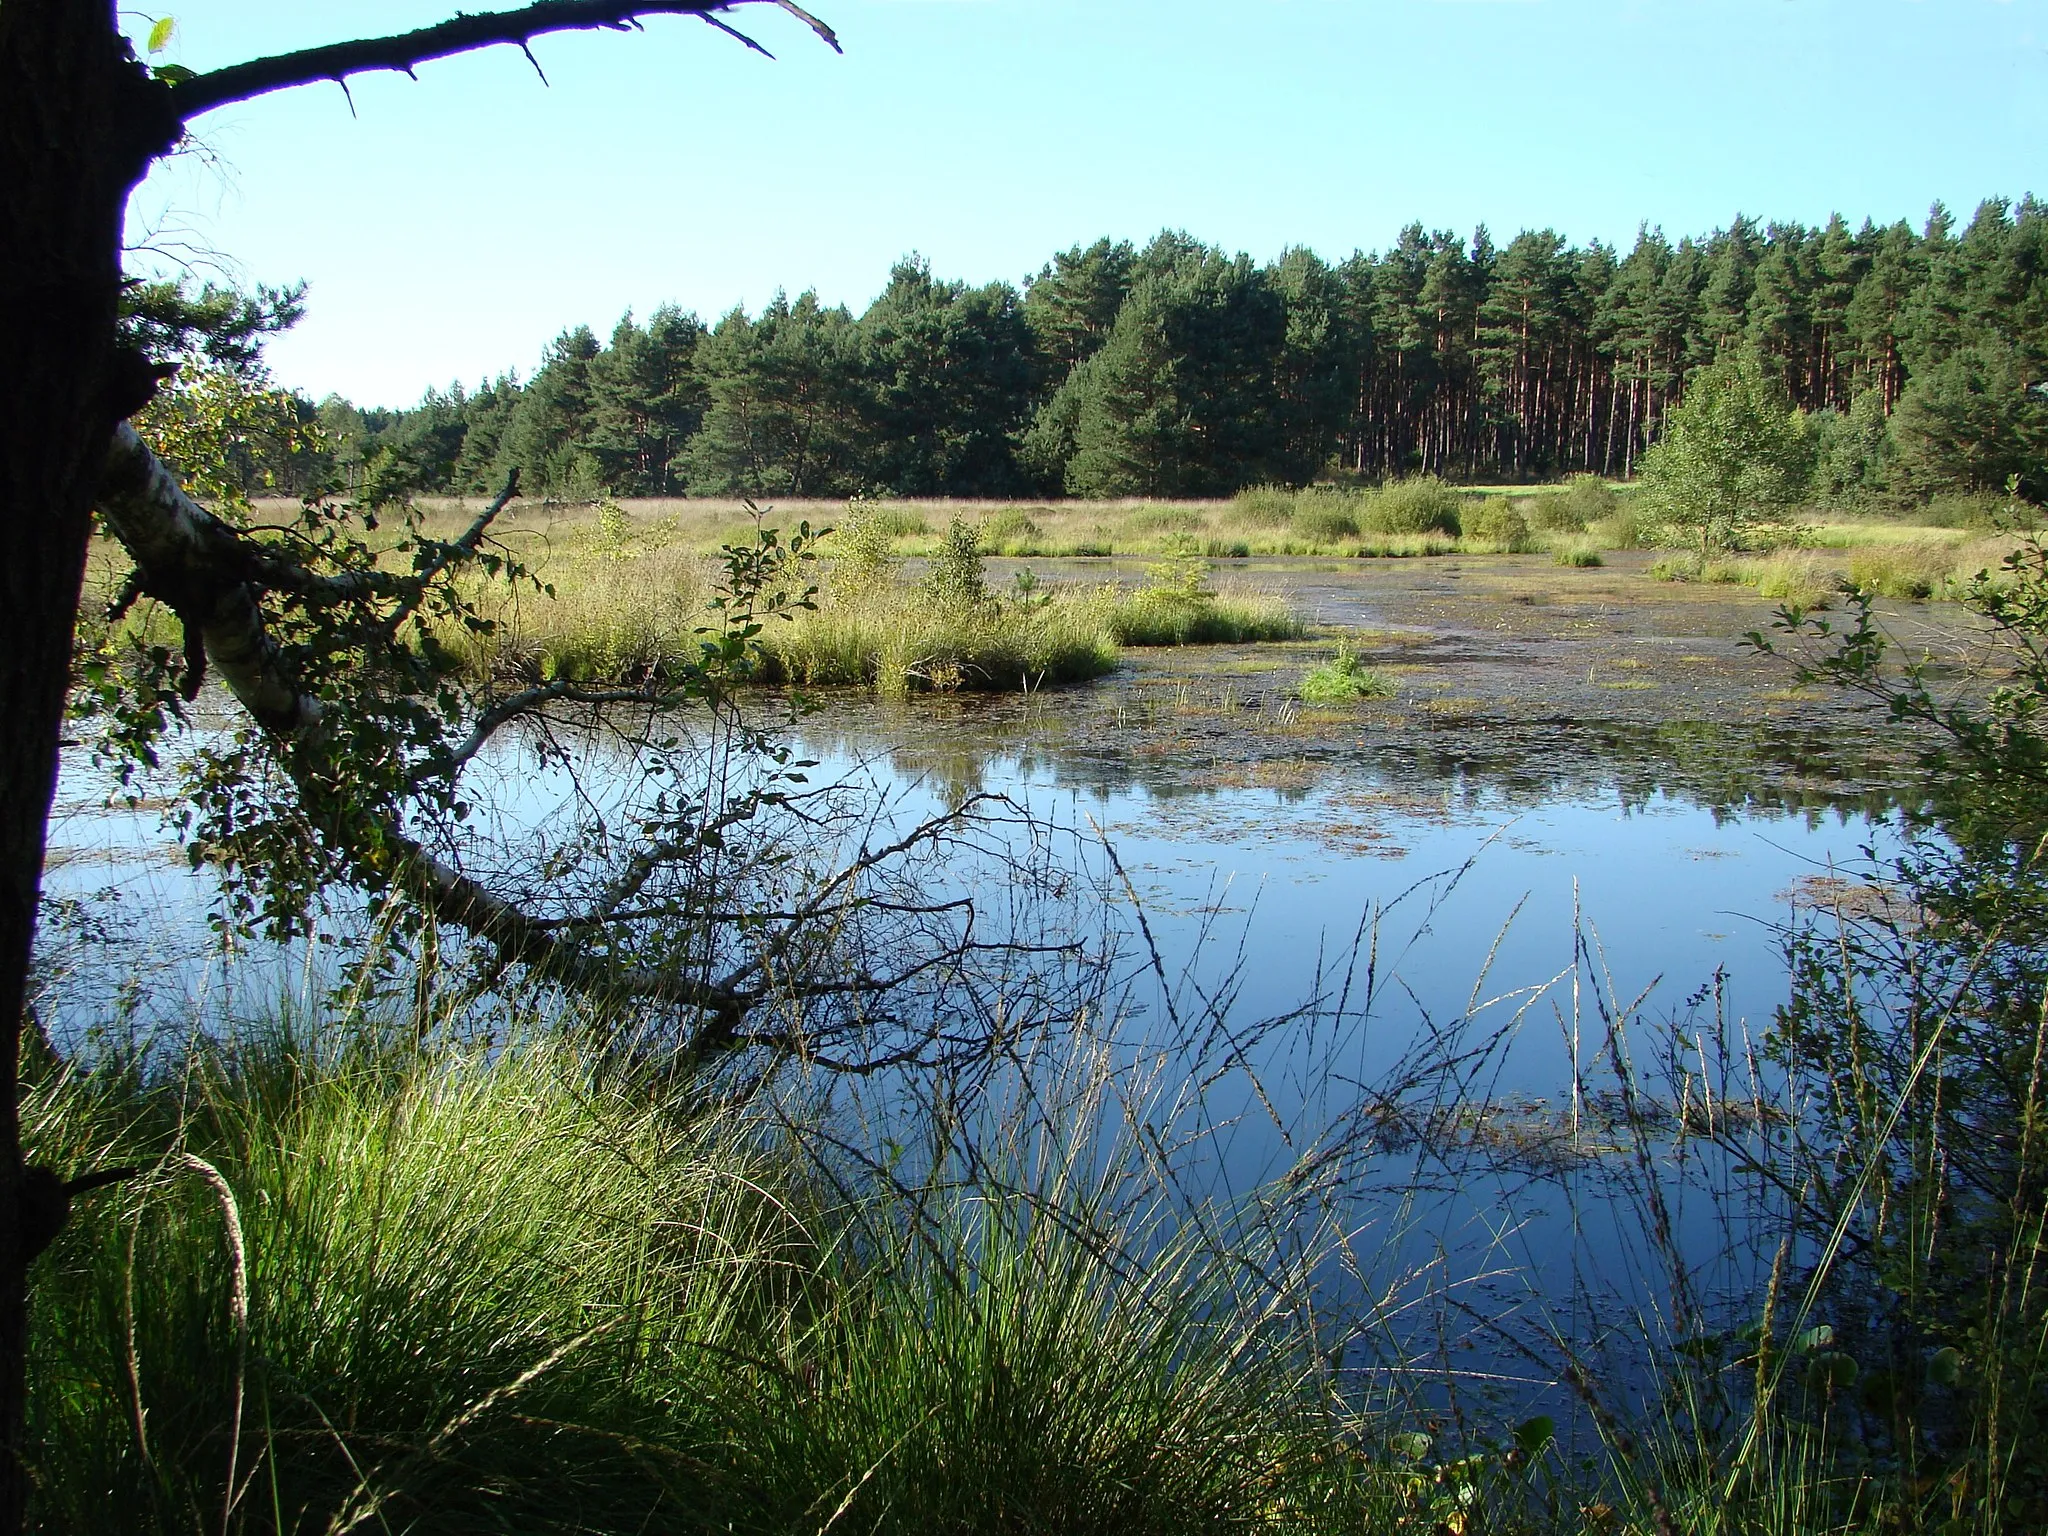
(1071, 305)
(951, 371)
(1177, 401)
(543, 438)
(784, 402)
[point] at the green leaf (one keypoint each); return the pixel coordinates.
(160, 35)
(1412, 1446)
(1818, 1337)
(1532, 1436)
(1831, 1370)
(1945, 1367)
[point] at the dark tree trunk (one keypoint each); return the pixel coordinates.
(79, 121)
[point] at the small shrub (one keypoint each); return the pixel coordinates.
(1975, 513)
(1226, 549)
(1324, 515)
(1263, 506)
(1580, 556)
(956, 576)
(1325, 524)
(1011, 530)
(1183, 576)
(863, 557)
(1421, 504)
(1584, 501)
(1620, 530)
(1344, 678)
(1497, 522)
(614, 530)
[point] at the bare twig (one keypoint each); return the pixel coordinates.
(403, 53)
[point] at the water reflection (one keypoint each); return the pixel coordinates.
(964, 744)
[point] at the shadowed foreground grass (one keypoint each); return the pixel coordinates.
(374, 1287)
(372, 1281)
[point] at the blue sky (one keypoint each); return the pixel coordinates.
(451, 227)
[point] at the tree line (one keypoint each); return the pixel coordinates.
(1177, 369)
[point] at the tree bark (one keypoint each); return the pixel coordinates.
(79, 122)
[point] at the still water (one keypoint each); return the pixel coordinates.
(1295, 941)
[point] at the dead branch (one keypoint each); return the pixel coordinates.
(405, 52)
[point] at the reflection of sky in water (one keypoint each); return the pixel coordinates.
(1254, 889)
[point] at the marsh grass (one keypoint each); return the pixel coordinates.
(901, 641)
(950, 632)
(520, 1287)
(1904, 563)
(627, 604)
(1344, 677)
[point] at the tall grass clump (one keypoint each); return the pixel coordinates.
(1262, 506)
(1795, 577)
(1343, 679)
(1497, 523)
(613, 608)
(366, 1287)
(1419, 504)
(386, 1283)
(1177, 606)
(948, 633)
(1042, 1338)
(1910, 570)
(900, 642)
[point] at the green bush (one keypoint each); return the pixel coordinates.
(1584, 500)
(1582, 556)
(1011, 531)
(1262, 506)
(1497, 522)
(956, 577)
(863, 556)
(1344, 678)
(1325, 524)
(1978, 512)
(1421, 504)
(1622, 529)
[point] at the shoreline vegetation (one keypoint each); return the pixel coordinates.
(627, 582)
